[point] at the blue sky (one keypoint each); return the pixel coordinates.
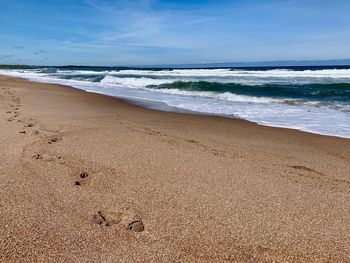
(120, 32)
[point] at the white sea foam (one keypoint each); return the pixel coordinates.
(334, 73)
(134, 84)
(246, 77)
(144, 83)
(275, 73)
(81, 72)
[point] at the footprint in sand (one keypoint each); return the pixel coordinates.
(53, 140)
(318, 179)
(215, 152)
(28, 125)
(44, 156)
(306, 169)
(127, 219)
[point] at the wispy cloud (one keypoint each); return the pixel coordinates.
(40, 52)
(139, 24)
(4, 57)
(169, 31)
(82, 46)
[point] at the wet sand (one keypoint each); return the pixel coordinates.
(90, 178)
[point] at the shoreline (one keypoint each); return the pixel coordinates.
(89, 177)
(162, 107)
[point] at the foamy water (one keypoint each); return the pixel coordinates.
(316, 101)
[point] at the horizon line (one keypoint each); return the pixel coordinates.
(263, 63)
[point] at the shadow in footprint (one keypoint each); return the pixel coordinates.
(306, 169)
(317, 179)
(128, 219)
(53, 140)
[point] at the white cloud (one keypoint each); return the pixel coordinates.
(138, 24)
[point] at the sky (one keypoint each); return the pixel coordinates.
(146, 32)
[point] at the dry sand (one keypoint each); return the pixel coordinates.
(162, 187)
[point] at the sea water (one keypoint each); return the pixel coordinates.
(316, 100)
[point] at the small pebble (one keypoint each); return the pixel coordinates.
(36, 156)
(84, 174)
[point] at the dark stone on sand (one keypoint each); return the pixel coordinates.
(83, 174)
(77, 183)
(24, 132)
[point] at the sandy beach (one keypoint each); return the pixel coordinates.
(90, 178)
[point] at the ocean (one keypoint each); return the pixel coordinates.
(312, 99)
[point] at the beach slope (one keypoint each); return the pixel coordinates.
(90, 178)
